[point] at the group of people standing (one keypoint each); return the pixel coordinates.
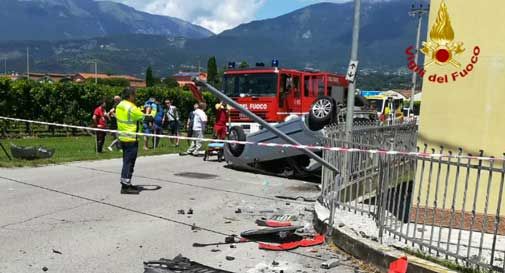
(126, 118)
(157, 117)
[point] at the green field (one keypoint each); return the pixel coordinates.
(78, 148)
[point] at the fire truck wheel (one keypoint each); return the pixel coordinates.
(236, 133)
(321, 113)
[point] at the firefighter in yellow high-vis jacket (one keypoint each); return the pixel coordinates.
(128, 117)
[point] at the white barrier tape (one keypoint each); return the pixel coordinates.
(268, 144)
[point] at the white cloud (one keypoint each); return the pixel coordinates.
(215, 15)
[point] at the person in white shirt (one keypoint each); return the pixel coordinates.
(199, 124)
(171, 117)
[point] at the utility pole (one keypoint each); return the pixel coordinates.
(418, 11)
(96, 73)
(28, 63)
(349, 119)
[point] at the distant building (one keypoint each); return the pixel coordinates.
(134, 82)
(185, 78)
(50, 77)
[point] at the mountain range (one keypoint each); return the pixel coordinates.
(77, 19)
(317, 36)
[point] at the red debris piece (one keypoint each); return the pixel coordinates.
(273, 223)
(399, 266)
(317, 240)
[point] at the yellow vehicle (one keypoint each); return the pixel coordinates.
(384, 103)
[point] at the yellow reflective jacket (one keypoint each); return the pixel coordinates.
(128, 115)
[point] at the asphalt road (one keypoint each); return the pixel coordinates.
(76, 209)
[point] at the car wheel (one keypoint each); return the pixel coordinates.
(322, 113)
(238, 134)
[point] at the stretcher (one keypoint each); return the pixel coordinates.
(214, 149)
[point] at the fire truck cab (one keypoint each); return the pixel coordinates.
(275, 94)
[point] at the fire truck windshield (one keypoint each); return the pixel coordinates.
(250, 85)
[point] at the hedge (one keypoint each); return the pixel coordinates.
(73, 103)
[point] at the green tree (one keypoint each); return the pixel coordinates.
(149, 77)
(170, 82)
(243, 64)
(212, 70)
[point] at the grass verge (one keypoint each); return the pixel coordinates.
(79, 148)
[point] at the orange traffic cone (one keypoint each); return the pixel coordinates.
(399, 266)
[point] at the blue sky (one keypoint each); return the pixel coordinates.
(219, 15)
(274, 8)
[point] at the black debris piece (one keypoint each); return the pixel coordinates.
(57, 252)
(275, 263)
(216, 250)
(194, 227)
(44, 269)
(229, 240)
(181, 211)
(238, 211)
(230, 258)
(296, 198)
(190, 211)
(233, 246)
(178, 264)
(267, 211)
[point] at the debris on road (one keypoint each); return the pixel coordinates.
(227, 241)
(273, 223)
(286, 217)
(399, 266)
(57, 252)
(178, 264)
(296, 198)
(230, 258)
(238, 211)
(330, 264)
(44, 269)
(190, 211)
(306, 242)
(194, 228)
(274, 233)
(181, 211)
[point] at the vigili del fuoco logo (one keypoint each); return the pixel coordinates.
(443, 49)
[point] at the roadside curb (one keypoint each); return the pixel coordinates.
(370, 251)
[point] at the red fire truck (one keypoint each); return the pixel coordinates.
(275, 94)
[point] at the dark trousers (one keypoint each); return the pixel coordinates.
(158, 130)
(130, 150)
(100, 140)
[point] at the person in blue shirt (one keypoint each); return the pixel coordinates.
(150, 112)
(158, 121)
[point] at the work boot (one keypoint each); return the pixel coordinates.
(129, 189)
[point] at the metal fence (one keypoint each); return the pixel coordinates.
(447, 207)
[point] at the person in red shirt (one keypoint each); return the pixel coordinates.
(222, 118)
(100, 119)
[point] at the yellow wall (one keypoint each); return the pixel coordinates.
(469, 112)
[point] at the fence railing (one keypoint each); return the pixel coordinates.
(448, 207)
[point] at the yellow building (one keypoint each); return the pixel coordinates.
(463, 101)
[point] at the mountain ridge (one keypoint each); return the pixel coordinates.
(317, 36)
(78, 19)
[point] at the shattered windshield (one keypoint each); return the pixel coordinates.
(261, 84)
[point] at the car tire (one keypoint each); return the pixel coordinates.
(238, 134)
(322, 112)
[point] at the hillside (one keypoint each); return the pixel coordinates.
(317, 36)
(76, 19)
